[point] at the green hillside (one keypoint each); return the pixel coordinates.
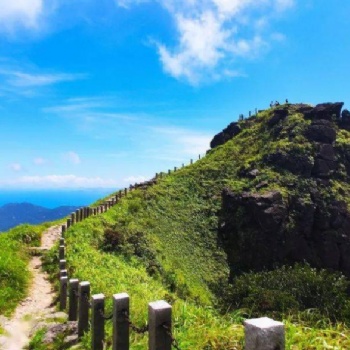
(166, 240)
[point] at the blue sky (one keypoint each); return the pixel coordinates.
(105, 93)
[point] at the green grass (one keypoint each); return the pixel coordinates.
(14, 274)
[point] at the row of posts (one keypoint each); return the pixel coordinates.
(89, 310)
(260, 334)
(85, 212)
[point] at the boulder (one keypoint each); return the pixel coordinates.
(278, 115)
(321, 131)
(325, 111)
(227, 134)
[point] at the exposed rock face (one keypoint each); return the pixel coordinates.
(254, 231)
(297, 164)
(325, 111)
(321, 131)
(309, 224)
(225, 135)
(278, 115)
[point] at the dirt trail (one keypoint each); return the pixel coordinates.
(37, 304)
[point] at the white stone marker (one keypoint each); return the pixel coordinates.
(264, 334)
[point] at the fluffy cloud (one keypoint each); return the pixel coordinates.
(214, 34)
(23, 12)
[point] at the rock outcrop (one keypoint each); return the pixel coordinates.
(306, 221)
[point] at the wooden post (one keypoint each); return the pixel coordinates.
(63, 228)
(169, 171)
(159, 323)
(125, 191)
(62, 264)
(191, 162)
(84, 305)
(199, 156)
(73, 299)
(63, 292)
(120, 322)
(97, 321)
(61, 241)
(61, 252)
(72, 218)
(175, 168)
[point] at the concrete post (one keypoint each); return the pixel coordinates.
(125, 191)
(191, 162)
(61, 241)
(175, 168)
(77, 215)
(159, 317)
(61, 252)
(199, 156)
(72, 218)
(169, 171)
(97, 321)
(63, 273)
(84, 305)
(264, 334)
(63, 228)
(63, 292)
(120, 323)
(73, 299)
(82, 214)
(62, 264)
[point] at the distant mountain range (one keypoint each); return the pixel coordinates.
(14, 214)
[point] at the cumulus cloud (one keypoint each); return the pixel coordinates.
(20, 12)
(63, 181)
(72, 157)
(214, 34)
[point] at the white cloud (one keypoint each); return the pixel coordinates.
(182, 142)
(15, 167)
(214, 34)
(39, 161)
(19, 78)
(62, 181)
(72, 157)
(135, 179)
(24, 12)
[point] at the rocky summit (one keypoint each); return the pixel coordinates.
(294, 206)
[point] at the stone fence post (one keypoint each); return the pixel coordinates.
(264, 334)
(63, 292)
(84, 306)
(120, 322)
(97, 321)
(159, 325)
(73, 299)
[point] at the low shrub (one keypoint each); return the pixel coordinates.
(289, 290)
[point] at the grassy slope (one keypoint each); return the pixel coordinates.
(165, 243)
(14, 274)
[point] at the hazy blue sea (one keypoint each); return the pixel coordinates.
(54, 198)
